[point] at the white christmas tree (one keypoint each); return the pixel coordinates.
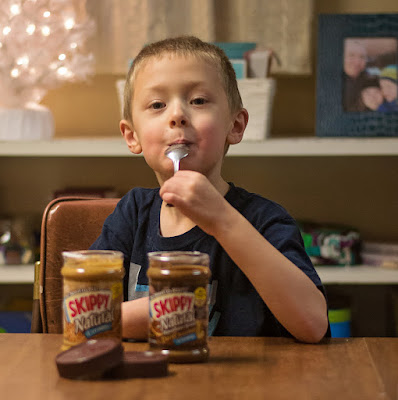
(41, 47)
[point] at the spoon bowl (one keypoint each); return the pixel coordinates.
(176, 152)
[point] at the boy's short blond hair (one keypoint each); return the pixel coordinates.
(185, 46)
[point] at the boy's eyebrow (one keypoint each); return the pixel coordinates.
(158, 87)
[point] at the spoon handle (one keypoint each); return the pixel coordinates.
(176, 164)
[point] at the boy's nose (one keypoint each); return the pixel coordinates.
(178, 117)
(176, 122)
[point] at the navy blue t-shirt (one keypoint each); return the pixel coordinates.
(236, 309)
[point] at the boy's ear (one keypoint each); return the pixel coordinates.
(238, 128)
(130, 136)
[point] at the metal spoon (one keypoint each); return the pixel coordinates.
(176, 152)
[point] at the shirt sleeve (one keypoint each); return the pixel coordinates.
(285, 235)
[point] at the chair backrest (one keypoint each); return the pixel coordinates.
(69, 223)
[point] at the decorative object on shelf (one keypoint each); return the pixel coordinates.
(339, 314)
(331, 245)
(17, 240)
(258, 90)
(41, 47)
(357, 75)
(32, 122)
(120, 93)
(15, 321)
(384, 255)
(258, 98)
(236, 51)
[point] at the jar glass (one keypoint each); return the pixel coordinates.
(92, 295)
(178, 304)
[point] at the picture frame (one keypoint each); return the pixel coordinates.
(335, 115)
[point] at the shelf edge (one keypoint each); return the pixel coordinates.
(115, 147)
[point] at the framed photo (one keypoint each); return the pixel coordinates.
(357, 75)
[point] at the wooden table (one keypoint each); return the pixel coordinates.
(239, 368)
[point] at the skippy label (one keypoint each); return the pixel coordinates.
(91, 311)
(173, 311)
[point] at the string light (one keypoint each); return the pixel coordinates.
(14, 72)
(45, 31)
(24, 60)
(62, 70)
(61, 57)
(30, 29)
(46, 14)
(69, 23)
(15, 9)
(6, 30)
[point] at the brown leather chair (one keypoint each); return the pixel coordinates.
(69, 223)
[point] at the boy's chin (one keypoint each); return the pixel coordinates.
(164, 176)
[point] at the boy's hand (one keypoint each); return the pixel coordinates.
(194, 195)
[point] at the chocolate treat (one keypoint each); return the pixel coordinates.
(89, 360)
(140, 364)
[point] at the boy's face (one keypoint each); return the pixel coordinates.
(181, 100)
(372, 97)
(389, 89)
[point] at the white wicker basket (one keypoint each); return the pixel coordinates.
(258, 98)
(120, 93)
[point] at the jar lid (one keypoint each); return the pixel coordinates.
(180, 257)
(92, 254)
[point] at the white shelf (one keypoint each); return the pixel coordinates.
(304, 147)
(17, 274)
(116, 147)
(359, 274)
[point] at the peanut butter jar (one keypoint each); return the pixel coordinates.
(92, 296)
(178, 305)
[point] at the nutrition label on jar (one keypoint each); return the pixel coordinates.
(178, 316)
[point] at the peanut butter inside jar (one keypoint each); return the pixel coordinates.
(178, 305)
(92, 295)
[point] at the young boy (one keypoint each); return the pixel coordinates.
(183, 90)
